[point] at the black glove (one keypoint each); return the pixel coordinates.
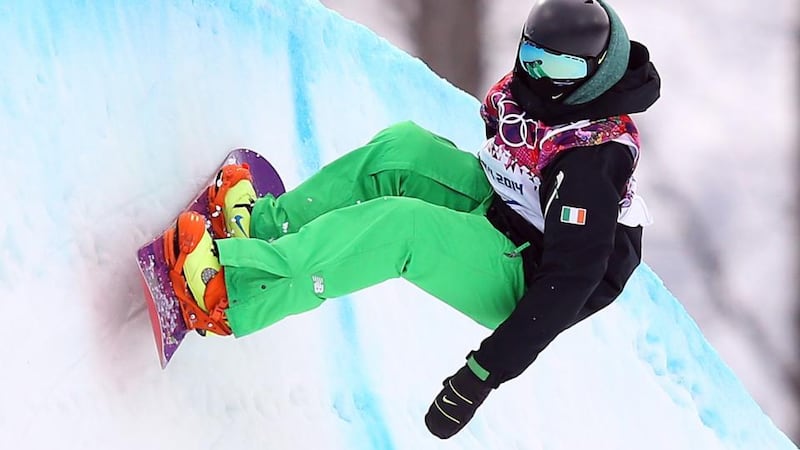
(456, 403)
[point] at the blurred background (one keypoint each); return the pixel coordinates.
(720, 164)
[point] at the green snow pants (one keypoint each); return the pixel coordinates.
(408, 204)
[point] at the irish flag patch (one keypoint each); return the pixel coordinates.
(575, 216)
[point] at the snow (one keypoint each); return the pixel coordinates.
(113, 114)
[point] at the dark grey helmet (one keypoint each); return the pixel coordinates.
(573, 27)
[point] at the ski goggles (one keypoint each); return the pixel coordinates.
(541, 63)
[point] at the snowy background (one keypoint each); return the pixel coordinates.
(719, 169)
(112, 116)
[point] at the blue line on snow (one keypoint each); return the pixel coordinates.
(351, 365)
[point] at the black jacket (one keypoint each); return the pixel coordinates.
(572, 271)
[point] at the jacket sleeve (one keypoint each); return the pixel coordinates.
(580, 199)
(490, 109)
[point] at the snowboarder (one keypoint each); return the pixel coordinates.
(537, 233)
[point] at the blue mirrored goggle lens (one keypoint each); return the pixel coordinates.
(539, 63)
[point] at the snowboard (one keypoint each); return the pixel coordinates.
(169, 329)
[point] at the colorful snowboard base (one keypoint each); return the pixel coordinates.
(169, 328)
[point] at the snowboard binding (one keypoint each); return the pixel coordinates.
(230, 201)
(203, 303)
